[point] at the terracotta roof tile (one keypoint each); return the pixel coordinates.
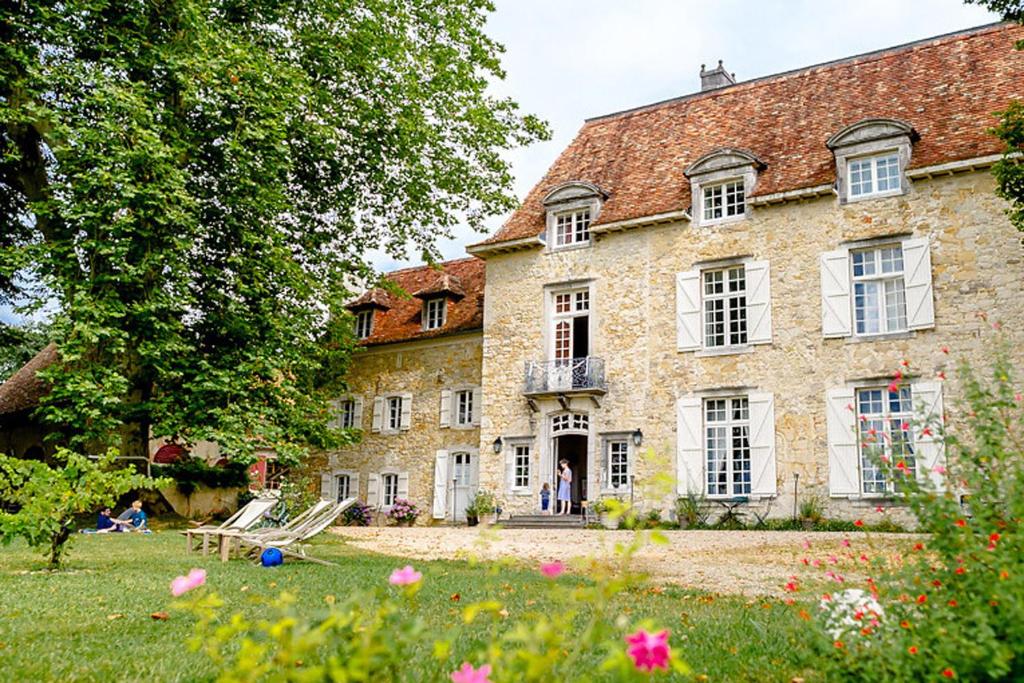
(947, 88)
(444, 283)
(402, 321)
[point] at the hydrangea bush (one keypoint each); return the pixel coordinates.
(403, 511)
(952, 607)
(358, 514)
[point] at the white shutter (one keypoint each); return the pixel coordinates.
(835, 294)
(474, 473)
(841, 426)
(403, 486)
(690, 454)
(353, 485)
(406, 412)
(373, 490)
(334, 414)
(604, 456)
(357, 413)
(688, 337)
(917, 283)
(440, 484)
(762, 444)
(759, 302)
(378, 413)
(327, 486)
(478, 405)
(510, 467)
(445, 412)
(928, 410)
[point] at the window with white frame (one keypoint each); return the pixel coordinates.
(343, 486)
(569, 340)
(618, 464)
(389, 487)
(884, 425)
(879, 300)
(347, 413)
(464, 407)
(572, 227)
(725, 307)
(434, 313)
(394, 416)
(570, 421)
(364, 324)
(727, 446)
(723, 200)
(877, 174)
(521, 467)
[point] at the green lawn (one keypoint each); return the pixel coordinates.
(91, 621)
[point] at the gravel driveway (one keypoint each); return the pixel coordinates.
(747, 562)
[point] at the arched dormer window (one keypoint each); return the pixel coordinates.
(871, 158)
(571, 208)
(720, 182)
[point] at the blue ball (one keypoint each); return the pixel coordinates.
(271, 557)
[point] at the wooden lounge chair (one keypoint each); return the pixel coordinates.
(246, 516)
(290, 541)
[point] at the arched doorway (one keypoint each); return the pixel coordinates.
(570, 433)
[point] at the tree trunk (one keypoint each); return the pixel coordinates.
(57, 542)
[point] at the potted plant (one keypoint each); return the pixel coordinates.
(811, 512)
(608, 513)
(472, 515)
(358, 514)
(403, 512)
(691, 511)
(484, 507)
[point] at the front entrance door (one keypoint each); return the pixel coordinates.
(573, 447)
(462, 480)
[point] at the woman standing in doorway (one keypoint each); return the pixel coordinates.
(564, 487)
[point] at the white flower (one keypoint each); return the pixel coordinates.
(849, 611)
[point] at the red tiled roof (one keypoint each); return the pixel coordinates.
(444, 283)
(946, 88)
(402, 321)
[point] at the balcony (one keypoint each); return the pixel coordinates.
(580, 376)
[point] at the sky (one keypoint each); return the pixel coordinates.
(567, 60)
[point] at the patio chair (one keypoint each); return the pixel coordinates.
(246, 516)
(290, 541)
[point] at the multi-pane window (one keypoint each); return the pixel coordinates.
(389, 483)
(618, 464)
(725, 307)
(568, 305)
(394, 416)
(572, 227)
(347, 414)
(565, 421)
(521, 474)
(879, 302)
(433, 313)
(883, 422)
(464, 407)
(343, 485)
(727, 446)
(874, 175)
(364, 324)
(724, 200)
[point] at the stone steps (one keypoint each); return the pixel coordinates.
(543, 522)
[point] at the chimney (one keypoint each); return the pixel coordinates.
(716, 78)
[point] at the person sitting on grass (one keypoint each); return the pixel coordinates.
(104, 524)
(133, 519)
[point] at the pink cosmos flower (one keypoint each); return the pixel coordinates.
(939, 469)
(648, 651)
(467, 674)
(405, 576)
(183, 584)
(894, 387)
(879, 509)
(845, 543)
(552, 570)
(807, 544)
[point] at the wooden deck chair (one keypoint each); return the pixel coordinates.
(227, 539)
(292, 543)
(242, 520)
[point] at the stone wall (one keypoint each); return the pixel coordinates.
(422, 369)
(977, 268)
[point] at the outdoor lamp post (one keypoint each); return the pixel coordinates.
(497, 445)
(638, 437)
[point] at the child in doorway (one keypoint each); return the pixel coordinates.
(545, 498)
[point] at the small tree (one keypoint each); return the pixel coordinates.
(39, 502)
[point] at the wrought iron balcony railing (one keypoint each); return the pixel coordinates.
(565, 376)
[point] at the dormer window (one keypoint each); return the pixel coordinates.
(434, 311)
(572, 227)
(364, 324)
(872, 156)
(724, 200)
(720, 182)
(571, 208)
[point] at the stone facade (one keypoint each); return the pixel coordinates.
(977, 270)
(419, 371)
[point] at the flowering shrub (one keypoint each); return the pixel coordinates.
(403, 511)
(358, 514)
(953, 606)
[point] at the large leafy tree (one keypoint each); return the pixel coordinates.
(1009, 172)
(197, 183)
